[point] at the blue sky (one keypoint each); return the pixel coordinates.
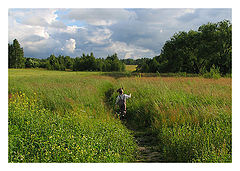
(131, 33)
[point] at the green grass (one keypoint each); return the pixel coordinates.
(59, 116)
(191, 116)
(131, 68)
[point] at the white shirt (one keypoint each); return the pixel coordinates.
(123, 96)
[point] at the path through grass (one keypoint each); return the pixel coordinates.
(62, 117)
(59, 116)
(191, 117)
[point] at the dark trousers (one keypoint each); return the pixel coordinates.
(123, 112)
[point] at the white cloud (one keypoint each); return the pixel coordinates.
(23, 32)
(128, 51)
(69, 46)
(100, 36)
(100, 16)
(34, 28)
(42, 48)
(129, 32)
(22, 24)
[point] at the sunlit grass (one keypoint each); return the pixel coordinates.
(131, 68)
(192, 116)
(62, 117)
(59, 116)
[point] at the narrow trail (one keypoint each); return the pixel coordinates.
(148, 148)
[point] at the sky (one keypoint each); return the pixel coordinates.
(129, 32)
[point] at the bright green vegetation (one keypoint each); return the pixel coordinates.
(198, 52)
(191, 116)
(131, 68)
(59, 116)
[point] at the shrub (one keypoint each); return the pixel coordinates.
(213, 73)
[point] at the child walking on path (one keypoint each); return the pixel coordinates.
(121, 102)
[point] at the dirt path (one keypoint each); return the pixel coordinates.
(147, 145)
(148, 150)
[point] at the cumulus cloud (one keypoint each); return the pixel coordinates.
(200, 16)
(69, 46)
(42, 48)
(34, 28)
(100, 36)
(131, 33)
(100, 17)
(128, 51)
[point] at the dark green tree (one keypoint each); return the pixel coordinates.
(15, 55)
(197, 51)
(53, 63)
(32, 63)
(68, 62)
(61, 62)
(115, 63)
(153, 65)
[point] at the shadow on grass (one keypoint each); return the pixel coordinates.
(117, 75)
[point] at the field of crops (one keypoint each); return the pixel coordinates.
(57, 116)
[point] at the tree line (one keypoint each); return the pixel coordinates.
(210, 47)
(195, 51)
(87, 62)
(130, 61)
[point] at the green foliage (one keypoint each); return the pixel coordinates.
(35, 63)
(194, 50)
(213, 73)
(15, 55)
(133, 61)
(85, 63)
(185, 52)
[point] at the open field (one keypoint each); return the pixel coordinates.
(61, 117)
(131, 68)
(57, 116)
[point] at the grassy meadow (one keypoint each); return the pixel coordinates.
(192, 117)
(62, 117)
(57, 116)
(131, 68)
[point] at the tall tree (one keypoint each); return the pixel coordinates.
(197, 51)
(15, 55)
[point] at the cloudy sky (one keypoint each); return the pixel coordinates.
(131, 33)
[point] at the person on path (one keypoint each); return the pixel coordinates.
(121, 102)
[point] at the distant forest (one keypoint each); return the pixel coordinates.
(87, 62)
(191, 52)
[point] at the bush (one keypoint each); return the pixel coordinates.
(214, 73)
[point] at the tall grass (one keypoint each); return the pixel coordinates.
(61, 117)
(192, 116)
(68, 117)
